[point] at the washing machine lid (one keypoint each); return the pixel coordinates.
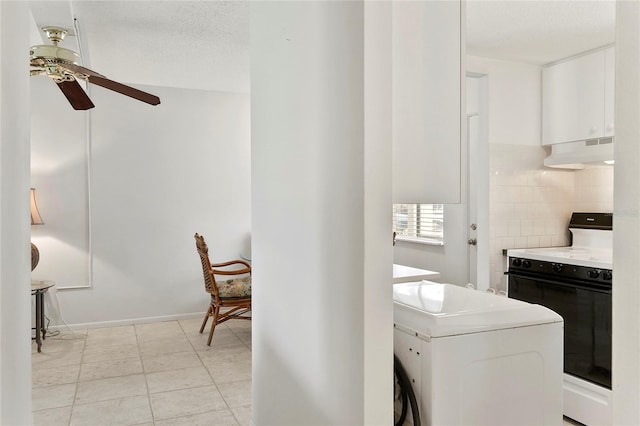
(437, 310)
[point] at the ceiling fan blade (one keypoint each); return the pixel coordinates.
(75, 95)
(124, 89)
(101, 80)
(81, 70)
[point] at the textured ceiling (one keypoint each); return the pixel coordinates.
(538, 32)
(205, 44)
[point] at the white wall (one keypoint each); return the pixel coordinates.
(158, 175)
(15, 323)
(515, 99)
(321, 175)
(626, 218)
(59, 173)
(378, 251)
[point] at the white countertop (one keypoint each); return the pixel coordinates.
(407, 274)
(580, 256)
(438, 310)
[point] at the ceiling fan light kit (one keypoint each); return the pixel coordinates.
(63, 67)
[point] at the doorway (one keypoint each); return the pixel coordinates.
(477, 199)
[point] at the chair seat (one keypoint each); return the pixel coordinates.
(236, 287)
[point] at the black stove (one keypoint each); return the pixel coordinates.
(585, 275)
(576, 282)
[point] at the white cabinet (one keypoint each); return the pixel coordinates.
(427, 90)
(577, 98)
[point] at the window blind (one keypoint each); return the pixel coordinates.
(419, 222)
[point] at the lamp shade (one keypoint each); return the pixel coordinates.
(35, 214)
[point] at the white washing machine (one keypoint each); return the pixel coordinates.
(479, 359)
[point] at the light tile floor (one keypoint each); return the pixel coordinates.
(158, 374)
(148, 374)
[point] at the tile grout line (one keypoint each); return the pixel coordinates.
(250, 350)
(103, 378)
(205, 366)
(144, 373)
(75, 394)
(195, 387)
(243, 342)
(209, 373)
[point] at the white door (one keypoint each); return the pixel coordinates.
(478, 181)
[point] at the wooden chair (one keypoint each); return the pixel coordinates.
(233, 293)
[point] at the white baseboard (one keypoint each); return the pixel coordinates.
(131, 321)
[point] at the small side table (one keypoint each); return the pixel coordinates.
(38, 289)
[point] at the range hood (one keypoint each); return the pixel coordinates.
(574, 155)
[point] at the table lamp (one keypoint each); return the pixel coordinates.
(35, 220)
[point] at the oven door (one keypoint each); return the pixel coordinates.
(586, 311)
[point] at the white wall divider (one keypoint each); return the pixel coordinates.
(626, 218)
(15, 298)
(321, 213)
(378, 251)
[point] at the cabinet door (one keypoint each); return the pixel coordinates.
(573, 99)
(427, 89)
(609, 90)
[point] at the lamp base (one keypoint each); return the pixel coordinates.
(35, 256)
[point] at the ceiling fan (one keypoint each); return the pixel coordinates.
(61, 65)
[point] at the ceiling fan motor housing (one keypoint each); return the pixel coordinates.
(44, 53)
(47, 57)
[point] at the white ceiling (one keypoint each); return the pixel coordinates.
(538, 32)
(205, 44)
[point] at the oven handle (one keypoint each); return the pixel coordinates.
(595, 288)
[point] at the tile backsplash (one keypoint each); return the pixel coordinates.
(594, 189)
(530, 205)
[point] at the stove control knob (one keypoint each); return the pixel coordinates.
(516, 262)
(607, 276)
(557, 267)
(526, 263)
(594, 273)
